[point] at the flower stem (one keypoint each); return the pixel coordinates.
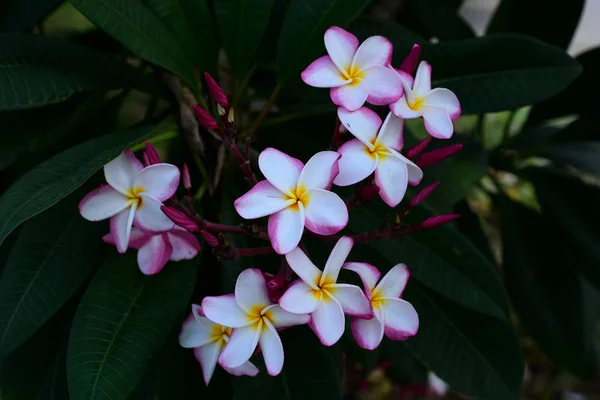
(256, 251)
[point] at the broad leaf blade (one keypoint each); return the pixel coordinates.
(583, 155)
(202, 22)
(436, 18)
(21, 15)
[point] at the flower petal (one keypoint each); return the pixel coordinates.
(246, 368)
(375, 50)
(102, 203)
(251, 290)
(401, 319)
(356, 163)
(280, 169)
(393, 283)
(415, 174)
(272, 349)
(326, 212)
(328, 321)
(153, 256)
(224, 310)
(446, 99)
(300, 298)
(391, 132)
(368, 332)
(391, 176)
(323, 73)
(438, 122)
(185, 244)
(341, 46)
(241, 345)
(336, 259)
(285, 228)
(401, 109)
(320, 171)
(158, 181)
(363, 123)
(369, 274)
(422, 83)
(150, 218)
(194, 334)
(262, 200)
(120, 228)
(385, 85)
(281, 318)
(121, 172)
(207, 356)
(303, 267)
(137, 239)
(351, 96)
(352, 300)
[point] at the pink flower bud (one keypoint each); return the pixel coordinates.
(418, 148)
(187, 181)
(205, 119)
(275, 286)
(215, 91)
(151, 155)
(368, 192)
(180, 219)
(412, 59)
(210, 239)
(437, 155)
(423, 194)
(438, 220)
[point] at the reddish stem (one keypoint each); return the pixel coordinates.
(336, 140)
(256, 251)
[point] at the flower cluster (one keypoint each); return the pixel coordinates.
(227, 329)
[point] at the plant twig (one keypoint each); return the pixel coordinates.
(265, 110)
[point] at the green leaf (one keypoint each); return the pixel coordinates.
(57, 177)
(401, 37)
(53, 255)
(242, 24)
(139, 30)
(305, 23)
(122, 321)
(311, 371)
(582, 155)
(38, 70)
(500, 72)
(21, 15)
(203, 25)
(546, 289)
(436, 18)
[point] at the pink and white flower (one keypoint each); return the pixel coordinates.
(395, 317)
(355, 73)
(439, 107)
(133, 196)
(295, 195)
(319, 294)
(208, 340)
(155, 250)
(254, 319)
(376, 149)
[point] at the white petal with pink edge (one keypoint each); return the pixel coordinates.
(336, 259)
(352, 300)
(326, 212)
(193, 334)
(391, 132)
(446, 99)
(415, 174)
(385, 85)
(356, 163)
(406, 78)
(153, 256)
(284, 319)
(280, 169)
(368, 332)
(393, 283)
(303, 267)
(102, 203)
(299, 298)
(185, 244)
(323, 73)
(438, 122)
(121, 172)
(401, 109)
(285, 228)
(158, 181)
(251, 290)
(120, 228)
(320, 171)
(369, 274)
(328, 321)
(224, 310)
(207, 356)
(341, 46)
(401, 319)
(391, 176)
(422, 84)
(262, 200)
(150, 218)
(246, 368)
(375, 50)
(272, 349)
(351, 96)
(363, 123)
(241, 345)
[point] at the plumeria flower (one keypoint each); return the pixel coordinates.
(439, 107)
(355, 74)
(133, 196)
(208, 340)
(395, 317)
(295, 195)
(376, 148)
(254, 319)
(156, 249)
(319, 294)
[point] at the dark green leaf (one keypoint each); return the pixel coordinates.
(500, 72)
(122, 321)
(405, 367)
(59, 176)
(469, 225)
(203, 25)
(305, 23)
(55, 385)
(37, 70)
(583, 155)
(436, 18)
(21, 15)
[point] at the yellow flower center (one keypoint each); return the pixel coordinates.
(378, 149)
(377, 299)
(300, 195)
(133, 196)
(354, 74)
(220, 334)
(416, 104)
(260, 314)
(327, 287)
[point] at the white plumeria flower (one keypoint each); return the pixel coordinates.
(295, 195)
(255, 320)
(395, 317)
(319, 293)
(156, 249)
(208, 340)
(133, 196)
(355, 74)
(439, 107)
(376, 148)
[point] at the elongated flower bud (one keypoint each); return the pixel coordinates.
(438, 220)
(417, 149)
(437, 155)
(412, 59)
(210, 239)
(205, 119)
(180, 219)
(275, 286)
(423, 194)
(215, 91)
(151, 155)
(187, 181)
